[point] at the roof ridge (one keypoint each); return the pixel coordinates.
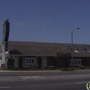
(47, 42)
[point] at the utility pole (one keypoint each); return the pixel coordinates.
(72, 45)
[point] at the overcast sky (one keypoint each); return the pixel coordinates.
(46, 20)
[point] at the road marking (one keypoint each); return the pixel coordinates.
(72, 83)
(5, 86)
(26, 77)
(81, 83)
(33, 77)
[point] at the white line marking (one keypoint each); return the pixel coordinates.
(81, 83)
(26, 77)
(33, 77)
(5, 86)
(72, 83)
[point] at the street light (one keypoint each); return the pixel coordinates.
(72, 44)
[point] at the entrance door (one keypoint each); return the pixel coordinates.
(20, 62)
(39, 62)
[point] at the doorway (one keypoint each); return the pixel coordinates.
(20, 62)
(39, 62)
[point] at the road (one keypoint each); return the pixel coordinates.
(44, 80)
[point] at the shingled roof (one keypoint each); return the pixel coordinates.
(46, 49)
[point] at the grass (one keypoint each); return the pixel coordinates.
(51, 68)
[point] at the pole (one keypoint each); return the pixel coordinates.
(3, 63)
(72, 48)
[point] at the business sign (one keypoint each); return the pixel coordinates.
(6, 27)
(88, 86)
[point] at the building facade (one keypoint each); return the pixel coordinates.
(33, 54)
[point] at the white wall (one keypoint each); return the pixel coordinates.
(16, 61)
(76, 62)
(27, 66)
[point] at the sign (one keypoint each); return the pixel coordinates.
(6, 27)
(88, 86)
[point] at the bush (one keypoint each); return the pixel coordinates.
(33, 67)
(87, 67)
(81, 67)
(58, 68)
(51, 67)
(66, 69)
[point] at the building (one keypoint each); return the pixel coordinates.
(27, 54)
(0, 56)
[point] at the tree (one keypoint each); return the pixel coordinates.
(65, 57)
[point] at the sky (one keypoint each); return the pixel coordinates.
(46, 20)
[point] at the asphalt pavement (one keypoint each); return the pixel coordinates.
(44, 80)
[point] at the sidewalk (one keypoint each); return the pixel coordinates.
(40, 70)
(83, 70)
(30, 70)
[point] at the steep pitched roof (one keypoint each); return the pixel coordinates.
(45, 49)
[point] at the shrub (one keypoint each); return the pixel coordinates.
(58, 68)
(66, 69)
(82, 67)
(51, 67)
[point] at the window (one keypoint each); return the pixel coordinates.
(77, 62)
(30, 61)
(76, 51)
(85, 49)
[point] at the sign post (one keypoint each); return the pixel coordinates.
(6, 26)
(3, 63)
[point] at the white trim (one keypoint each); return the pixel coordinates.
(77, 62)
(30, 61)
